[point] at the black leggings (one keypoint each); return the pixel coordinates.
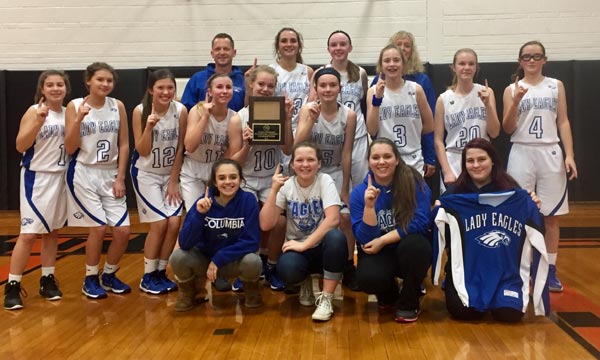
(459, 311)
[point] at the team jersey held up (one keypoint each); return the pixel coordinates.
(493, 239)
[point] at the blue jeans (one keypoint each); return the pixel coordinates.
(327, 258)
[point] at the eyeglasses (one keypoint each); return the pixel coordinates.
(535, 57)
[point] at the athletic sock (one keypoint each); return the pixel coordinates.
(109, 269)
(552, 258)
(150, 265)
(91, 270)
(49, 270)
(13, 277)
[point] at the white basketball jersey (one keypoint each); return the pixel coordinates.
(165, 137)
(329, 137)
(48, 152)
(296, 85)
(351, 95)
(536, 116)
(99, 132)
(400, 118)
(214, 140)
(262, 159)
(464, 118)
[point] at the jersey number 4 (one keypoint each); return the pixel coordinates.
(536, 127)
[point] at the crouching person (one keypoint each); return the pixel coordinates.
(219, 238)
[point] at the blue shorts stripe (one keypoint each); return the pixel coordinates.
(136, 186)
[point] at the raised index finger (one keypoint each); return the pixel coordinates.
(206, 192)
(486, 85)
(516, 82)
(277, 168)
(41, 102)
(255, 62)
(85, 99)
(369, 181)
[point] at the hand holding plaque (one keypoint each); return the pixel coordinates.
(267, 120)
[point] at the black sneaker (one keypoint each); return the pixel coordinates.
(222, 284)
(12, 295)
(49, 288)
(349, 280)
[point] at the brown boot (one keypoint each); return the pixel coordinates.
(186, 296)
(252, 292)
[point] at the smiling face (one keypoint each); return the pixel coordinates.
(222, 52)
(532, 58)
(264, 84)
(221, 90)
(305, 164)
(391, 63)
(227, 181)
(288, 44)
(479, 166)
(101, 83)
(328, 88)
(383, 162)
(406, 46)
(163, 91)
(339, 47)
(54, 89)
(465, 65)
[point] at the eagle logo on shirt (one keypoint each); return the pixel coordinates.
(26, 221)
(493, 239)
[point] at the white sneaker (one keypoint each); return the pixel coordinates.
(307, 296)
(324, 309)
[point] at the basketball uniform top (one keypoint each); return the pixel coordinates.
(165, 137)
(464, 118)
(296, 85)
(351, 95)
(262, 159)
(400, 118)
(329, 137)
(492, 237)
(214, 140)
(536, 115)
(99, 132)
(48, 153)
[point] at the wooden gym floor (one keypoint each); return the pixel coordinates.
(139, 326)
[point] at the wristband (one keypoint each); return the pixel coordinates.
(376, 101)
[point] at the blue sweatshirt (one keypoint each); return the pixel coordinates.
(223, 234)
(195, 90)
(420, 223)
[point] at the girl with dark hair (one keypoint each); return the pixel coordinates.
(493, 283)
(42, 197)
(219, 237)
(97, 135)
(159, 124)
(464, 112)
(535, 113)
(313, 244)
(390, 219)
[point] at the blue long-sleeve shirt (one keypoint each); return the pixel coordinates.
(223, 234)
(195, 90)
(420, 222)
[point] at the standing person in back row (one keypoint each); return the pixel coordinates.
(535, 113)
(222, 51)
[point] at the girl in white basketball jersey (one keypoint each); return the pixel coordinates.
(354, 88)
(43, 204)
(259, 163)
(206, 137)
(97, 136)
(159, 125)
(535, 113)
(293, 76)
(465, 111)
(397, 109)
